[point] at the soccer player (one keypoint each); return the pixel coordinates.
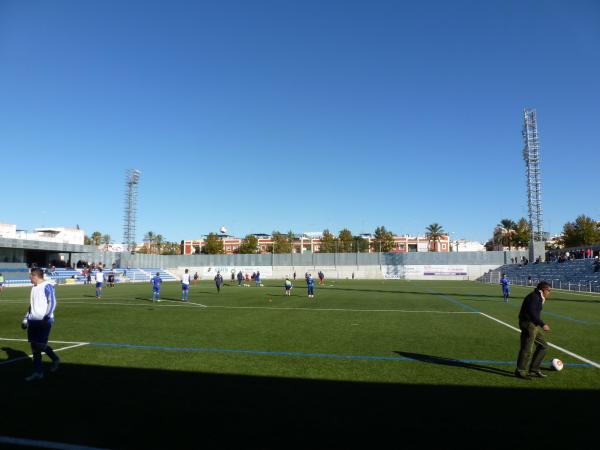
(288, 286)
(310, 284)
(505, 282)
(218, 281)
(38, 321)
(99, 282)
(185, 286)
(156, 282)
(257, 279)
(1, 283)
(321, 277)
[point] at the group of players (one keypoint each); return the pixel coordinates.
(157, 281)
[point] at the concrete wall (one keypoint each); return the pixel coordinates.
(334, 265)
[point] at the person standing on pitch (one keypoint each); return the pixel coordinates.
(505, 283)
(240, 278)
(218, 281)
(310, 284)
(99, 282)
(288, 286)
(156, 283)
(185, 286)
(532, 333)
(38, 321)
(1, 283)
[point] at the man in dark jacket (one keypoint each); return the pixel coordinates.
(532, 333)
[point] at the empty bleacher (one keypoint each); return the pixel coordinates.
(577, 275)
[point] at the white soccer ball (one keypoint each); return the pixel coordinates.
(557, 364)
(223, 230)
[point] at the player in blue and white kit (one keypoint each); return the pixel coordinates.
(310, 284)
(99, 282)
(38, 321)
(185, 286)
(505, 282)
(156, 282)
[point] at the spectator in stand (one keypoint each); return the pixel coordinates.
(588, 253)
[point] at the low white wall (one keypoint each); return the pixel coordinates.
(375, 272)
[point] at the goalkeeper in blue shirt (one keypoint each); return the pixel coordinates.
(505, 283)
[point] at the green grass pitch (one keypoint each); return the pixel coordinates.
(362, 364)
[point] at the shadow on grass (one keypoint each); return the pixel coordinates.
(132, 408)
(12, 353)
(440, 360)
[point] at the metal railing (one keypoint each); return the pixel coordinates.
(575, 286)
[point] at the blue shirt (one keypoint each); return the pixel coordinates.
(156, 282)
(310, 281)
(504, 282)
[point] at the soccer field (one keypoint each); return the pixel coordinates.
(364, 361)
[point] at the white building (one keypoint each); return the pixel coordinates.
(462, 245)
(49, 234)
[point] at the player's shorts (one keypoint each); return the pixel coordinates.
(38, 331)
(99, 285)
(155, 289)
(1, 284)
(185, 287)
(287, 288)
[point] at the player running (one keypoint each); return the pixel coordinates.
(156, 283)
(185, 286)
(505, 283)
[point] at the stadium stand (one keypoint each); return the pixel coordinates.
(578, 274)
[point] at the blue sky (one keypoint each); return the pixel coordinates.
(302, 115)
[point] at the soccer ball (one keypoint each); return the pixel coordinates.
(24, 324)
(557, 364)
(223, 230)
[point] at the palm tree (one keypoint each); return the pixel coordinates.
(434, 232)
(505, 232)
(96, 237)
(149, 239)
(158, 240)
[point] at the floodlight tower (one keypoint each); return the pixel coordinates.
(132, 179)
(531, 155)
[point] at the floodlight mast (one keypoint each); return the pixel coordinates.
(132, 180)
(531, 156)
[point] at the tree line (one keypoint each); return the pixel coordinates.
(344, 242)
(581, 232)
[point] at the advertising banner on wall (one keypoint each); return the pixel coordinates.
(423, 271)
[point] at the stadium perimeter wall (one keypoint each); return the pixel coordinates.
(430, 265)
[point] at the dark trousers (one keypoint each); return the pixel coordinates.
(533, 347)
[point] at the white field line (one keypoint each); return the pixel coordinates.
(574, 355)
(21, 358)
(196, 305)
(342, 309)
(182, 303)
(44, 444)
(51, 342)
